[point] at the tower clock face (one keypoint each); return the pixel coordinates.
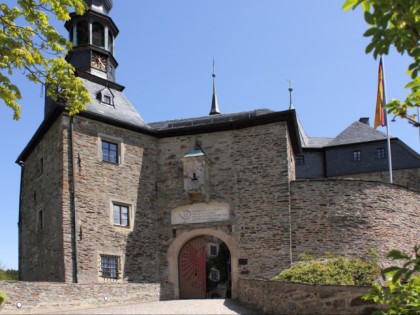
(99, 61)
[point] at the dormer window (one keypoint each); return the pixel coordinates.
(106, 97)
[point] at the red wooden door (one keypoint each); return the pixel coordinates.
(192, 269)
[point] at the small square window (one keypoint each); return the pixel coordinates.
(109, 152)
(380, 153)
(109, 267)
(107, 99)
(357, 155)
(300, 159)
(121, 215)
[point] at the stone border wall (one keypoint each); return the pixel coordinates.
(275, 297)
(44, 297)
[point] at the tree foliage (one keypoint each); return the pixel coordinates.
(395, 23)
(402, 296)
(332, 270)
(28, 43)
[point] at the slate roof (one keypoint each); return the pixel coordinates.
(311, 142)
(358, 132)
(207, 120)
(122, 110)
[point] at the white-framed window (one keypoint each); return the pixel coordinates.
(212, 250)
(214, 275)
(357, 155)
(121, 214)
(380, 153)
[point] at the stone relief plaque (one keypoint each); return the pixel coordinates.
(200, 213)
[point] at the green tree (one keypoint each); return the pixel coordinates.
(395, 23)
(402, 296)
(28, 43)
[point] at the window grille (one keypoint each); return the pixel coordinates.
(109, 266)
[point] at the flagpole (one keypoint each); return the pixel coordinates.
(387, 127)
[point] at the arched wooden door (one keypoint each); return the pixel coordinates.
(192, 269)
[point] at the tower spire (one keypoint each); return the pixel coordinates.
(291, 106)
(214, 104)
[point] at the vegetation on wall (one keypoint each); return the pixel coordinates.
(402, 294)
(3, 297)
(333, 270)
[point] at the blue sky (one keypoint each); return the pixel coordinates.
(165, 51)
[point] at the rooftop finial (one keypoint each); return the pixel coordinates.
(290, 92)
(214, 104)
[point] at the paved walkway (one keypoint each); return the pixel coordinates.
(211, 306)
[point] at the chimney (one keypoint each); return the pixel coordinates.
(365, 120)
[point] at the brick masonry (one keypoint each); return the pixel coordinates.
(275, 297)
(43, 297)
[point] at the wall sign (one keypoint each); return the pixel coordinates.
(200, 213)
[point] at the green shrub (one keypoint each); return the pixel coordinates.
(3, 297)
(331, 270)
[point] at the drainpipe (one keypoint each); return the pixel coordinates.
(22, 165)
(73, 206)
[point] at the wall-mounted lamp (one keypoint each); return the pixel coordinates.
(18, 304)
(105, 298)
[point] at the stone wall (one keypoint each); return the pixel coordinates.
(349, 216)
(41, 221)
(100, 185)
(409, 178)
(249, 170)
(275, 297)
(43, 297)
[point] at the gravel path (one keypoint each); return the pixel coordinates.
(211, 306)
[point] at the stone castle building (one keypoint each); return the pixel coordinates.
(195, 204)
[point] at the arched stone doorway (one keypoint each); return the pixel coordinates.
(182, 242)
(204, 269)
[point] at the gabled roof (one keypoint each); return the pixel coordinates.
(358, 132)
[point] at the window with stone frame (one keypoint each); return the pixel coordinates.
(110, 267)
(121, 215)
(109, 152)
